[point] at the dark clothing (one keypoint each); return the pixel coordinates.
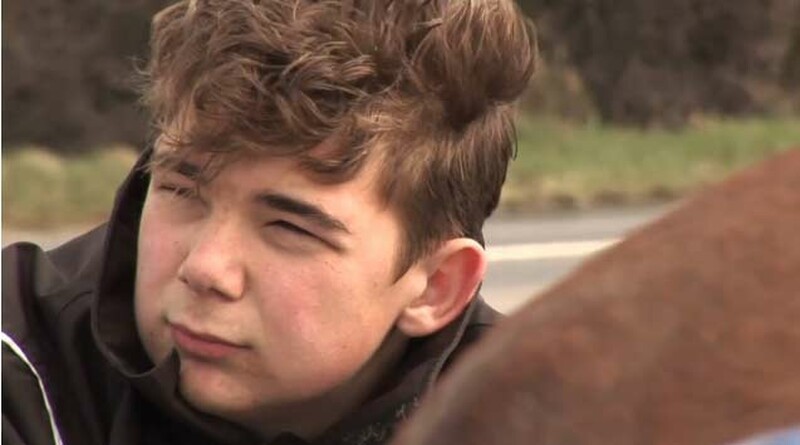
(70, 349)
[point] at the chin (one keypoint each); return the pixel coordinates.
(207, 391)
(212, 400)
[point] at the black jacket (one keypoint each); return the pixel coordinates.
(75, 372)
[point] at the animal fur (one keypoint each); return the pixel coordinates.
(687, 332)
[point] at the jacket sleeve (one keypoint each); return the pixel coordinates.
(27, 414)
(27, 417)
(45, 307)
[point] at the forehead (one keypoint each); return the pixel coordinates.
(265, 168)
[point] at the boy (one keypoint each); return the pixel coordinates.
(297, 258)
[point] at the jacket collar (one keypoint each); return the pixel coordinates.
(114, 331)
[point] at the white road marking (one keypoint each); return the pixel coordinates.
(547, 250)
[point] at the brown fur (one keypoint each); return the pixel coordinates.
(688, 332)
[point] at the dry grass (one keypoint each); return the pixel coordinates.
(562, 164)
(559, 164)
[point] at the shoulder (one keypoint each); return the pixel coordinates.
(45, 295)
(481, 318)
(38, 287)
(46, 271)
(38, 284)
(28, 417)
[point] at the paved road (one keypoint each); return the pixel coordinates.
(526, 253)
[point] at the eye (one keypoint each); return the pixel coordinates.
(285, 225)
(178, 191)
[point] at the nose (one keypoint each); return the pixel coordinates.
(214, 264)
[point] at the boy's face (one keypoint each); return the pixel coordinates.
(276, 291)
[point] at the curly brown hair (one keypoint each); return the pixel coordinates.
(427, 87)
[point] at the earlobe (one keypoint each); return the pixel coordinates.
(455, 270)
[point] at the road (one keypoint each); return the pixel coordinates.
(526, 253)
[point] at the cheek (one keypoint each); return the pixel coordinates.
(159, 244)
(317, 296)
(156, 267)
(324, 312)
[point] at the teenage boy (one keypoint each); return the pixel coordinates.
(297, 257)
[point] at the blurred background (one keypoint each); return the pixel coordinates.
(636, 103)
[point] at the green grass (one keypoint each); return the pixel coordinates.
(562, 164)
(559, 164)
(42, 190)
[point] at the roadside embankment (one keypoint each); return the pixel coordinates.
(558, 165)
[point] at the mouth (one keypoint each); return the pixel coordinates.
(202, 346)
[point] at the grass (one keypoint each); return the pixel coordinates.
(43, 190)
(559, 165)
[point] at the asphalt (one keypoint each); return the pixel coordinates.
(536, 251)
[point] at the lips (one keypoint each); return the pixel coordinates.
(202, 346)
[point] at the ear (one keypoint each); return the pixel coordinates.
(454, 272)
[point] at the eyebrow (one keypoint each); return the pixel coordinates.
(303, 209)
(187, 169)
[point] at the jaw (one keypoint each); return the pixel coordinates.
(307, 417)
